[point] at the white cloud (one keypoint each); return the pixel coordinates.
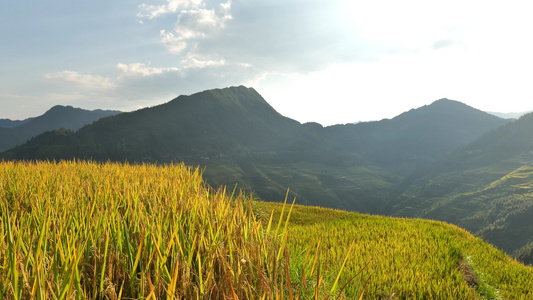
(192, 62)
(194, 25)
(140, 70)
(172, 6)
(174, 44)
(77, 80)
(195, 20)
(200, 22)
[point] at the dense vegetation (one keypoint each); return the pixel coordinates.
(92, 230)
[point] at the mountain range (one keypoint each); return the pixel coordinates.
(13, 133)
(445, 161)
(7, 123)
(511, 115)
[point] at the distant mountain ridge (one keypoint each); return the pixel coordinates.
(420, 136)
(511, 115)
(443, 126)
(7, 123)
(68, 117)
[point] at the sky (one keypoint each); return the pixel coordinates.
(325, 61)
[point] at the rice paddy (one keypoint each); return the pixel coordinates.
(86, 230)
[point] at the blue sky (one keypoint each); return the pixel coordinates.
(313, 60)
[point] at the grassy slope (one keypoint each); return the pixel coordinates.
(503, 209)
(405, 258)
(493, 202)
(350, 186)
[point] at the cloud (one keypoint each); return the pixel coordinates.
(194, 25)
(140, 70)
(271, 36)
(172, 6)
(175, 44)
(193, 62)
(443, 44)
(77, 80)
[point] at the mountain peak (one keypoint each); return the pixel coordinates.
(232, 94)
(57, 117)
(61, 109)
(445, 108)
(446, 101)
(212, 122)
(56, 107)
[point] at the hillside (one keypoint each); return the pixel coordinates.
(15, 133)
(485, 187)
(142, 230)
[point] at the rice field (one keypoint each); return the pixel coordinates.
(86, 230)
(397, 258)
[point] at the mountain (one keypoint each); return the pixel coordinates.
(418, 137)
(485, 187)
(68, 117)
(512, 115)
(7, 123)
(240, 139)
(216, 122)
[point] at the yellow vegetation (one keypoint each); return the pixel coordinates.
(74, 230)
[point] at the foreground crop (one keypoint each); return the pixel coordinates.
(83, 230)
(88, 230)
